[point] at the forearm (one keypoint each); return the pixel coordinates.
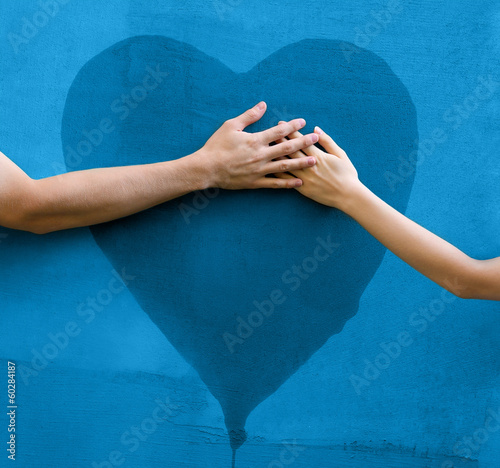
(98, 195)
(334, 182)
(429, 254)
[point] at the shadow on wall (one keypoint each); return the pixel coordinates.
(246, 285)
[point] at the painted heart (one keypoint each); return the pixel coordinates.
(246, 285)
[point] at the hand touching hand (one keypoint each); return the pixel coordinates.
(239, 160)
(333, 180)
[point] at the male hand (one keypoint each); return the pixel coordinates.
(236, 159)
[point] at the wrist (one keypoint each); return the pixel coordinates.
(355, 199)
(202, 174)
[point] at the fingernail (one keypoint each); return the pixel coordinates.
(302, 122)
(261, 105)
(298, 183)
(314, 138)
(311, 161)
(318, 130)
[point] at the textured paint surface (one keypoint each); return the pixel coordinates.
(420, 410)
(221, 284)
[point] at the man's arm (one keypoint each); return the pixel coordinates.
(231, 159)
(93, 196)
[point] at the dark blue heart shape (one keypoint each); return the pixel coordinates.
(200, 280)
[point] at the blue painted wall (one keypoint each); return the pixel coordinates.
(431, 402)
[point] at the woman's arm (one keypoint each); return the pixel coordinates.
(429, 254)
(231, 159)
(333, 181)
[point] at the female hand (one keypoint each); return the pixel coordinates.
(239, 160)
(333, 180)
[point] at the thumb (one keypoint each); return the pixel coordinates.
(326, 141)
(250, 116)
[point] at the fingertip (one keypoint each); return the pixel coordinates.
(261, 105)
(311, 161)
(298, 183)
(314, 138)
(302, 123)
(318, 131)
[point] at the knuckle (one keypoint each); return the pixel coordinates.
(284, 167)
(287, 147)
(251, 114)
(281, 131)
(228, 123)
(252, 141)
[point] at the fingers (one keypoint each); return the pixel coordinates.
(286, 181)
(289, 165)
(309, 151)
(284, 175)
(282, 130)
(327, 142)
(250, 116)
(298, 154)
(289, 147)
